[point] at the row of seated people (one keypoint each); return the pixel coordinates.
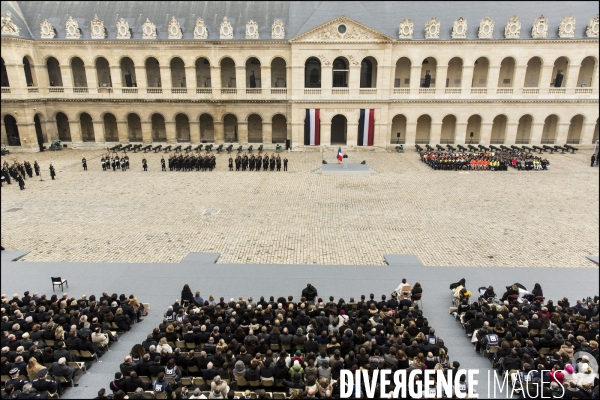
(525, 336)
(470, 161)
(528, 164)
(53, 335)
(281, 346)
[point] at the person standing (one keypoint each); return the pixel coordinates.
(36, 168)
(231, 163)
(52, 171)
(21, 182)
(593, 160)
(285, 161)
(84, 163)
(113, 164)
(145, 164)
(162, 163)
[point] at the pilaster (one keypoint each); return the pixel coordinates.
(460, 135)
(98, 132)
(511, 133)
(467, 78)
(219, 131)
(171, 132)
(562, 132)
(267, 131)
(194, 131)
(122, 131)
(485, 135)
(537, 129)
(440, 79)
(352, 134)
(435, 133)
(146, 132)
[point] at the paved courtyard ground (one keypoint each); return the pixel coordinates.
(446, 218)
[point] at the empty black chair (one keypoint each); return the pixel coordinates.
(58, 281)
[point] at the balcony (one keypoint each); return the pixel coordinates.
(278, 91)
(583, 90)
(5, 89)
(531, 91)
(254, 91)
(401, 90)
(56, 89)
(129, 90)
(367, 91)
(105, 89)
(154, 90)
(203, 91)
(556, 91)
(179, 91)
(452, 91)
(32, 89)
(228, 91)
(340, 91)
(479, 91)
(80, 90)
(312, 91)
(504, 91)
(426, 90)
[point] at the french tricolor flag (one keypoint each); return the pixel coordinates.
(312, 127)
(366, 127)
(340, 156)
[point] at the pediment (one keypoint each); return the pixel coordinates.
(342, 29)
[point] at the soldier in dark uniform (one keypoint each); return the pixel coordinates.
(52, 171)
(36, 168)
(21, 169)
(21, 182)
(266, 163)
(118, 161)
(230, 164)
(6, 175)
(163, 164)
(123, 164)
(238, 163)
(272, 162)
(213, 162)
(251, 162)
(43, 384)
(278, 163)
(126, 161)
(103, 163)
(113, 164)
(145, 164)
(28, 169)
(244, 162)
(258, 162)
(84, 163)
(285, 161)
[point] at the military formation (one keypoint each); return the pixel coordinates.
(255, 163)
(187, 162)
(110, 161)
(483, 161)
(20, 171)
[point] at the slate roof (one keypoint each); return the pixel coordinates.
(298, 16)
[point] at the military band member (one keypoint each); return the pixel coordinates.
(145, 164)
(163, 164)
(118, 160)
(272, 162)
(123, 164)
(113, 164)
(266, 163)
(238, 162)
(6, 175)
(52, 171)
(230, 164)
(126, 161)
(278, 163)
(84, 163)
(21, 182)
(36, 168)
(258, 163)
(285, 161)
(28, 169)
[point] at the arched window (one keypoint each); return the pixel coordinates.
(278, 73)
(87, 128)
(340, 72)
(312, 73)
(203, 73)
(5, 82)
(182, 128)
(78, 71)
(12, 131)
(253, 77)
(128, 72)
(103, 72)
(134, 128)
(178, 73)
(153, 73)
(54, 74)
(366, 73)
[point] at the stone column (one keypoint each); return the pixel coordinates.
(519, 78)
(485, 135)
(215, 77)
(40, 71)
(195, 131)
(297, 134)
(325, 132)
(4, 138)
(67, 77)
(572, 75)
(326, 80)
(123, 132)
(537, 129)
(492, 79)
(435, 133)
(595, 80)
(27, 136)
(440, 79)
(415, 79)
(219, 127)
(267, 131)
(562, 132)
(98, 132)
(587, 132)
(265, 78)
(240, 78)
(411, 132)
(92, 79)
(511, 133)
(115, 76)
(295, 81)
(190, 78)
(146, 132)
(352, 134)
(545, 78)
(289, 83)
(467, 79)
(75, 128)
(460, 134)
(242, 132)
(171, 133)
(165, 79)
(51, 130)
(141, 79)
(354, 81)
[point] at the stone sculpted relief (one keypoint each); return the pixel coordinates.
(174, 29)
(72, 29)
(406, 29)
(593, 27)
(459, 31)
(432, 29)
(226, 31)
(8, 27)
(540, 28)
(513, 28)
(343, 31)
(123, 31)
(278, 30)
(98, 31)
(324, 60)
(567, 27)
(486, 28)
(200, 31)
(47, 30)
(251, 30)
(148, 30)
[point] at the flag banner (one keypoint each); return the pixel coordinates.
(312, 127)
(340, 156)
(366, 127)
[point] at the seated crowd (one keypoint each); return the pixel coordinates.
(44, 338)
(277, 345)
(536, 341)
(484, 160)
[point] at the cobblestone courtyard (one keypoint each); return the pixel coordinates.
(539, 219)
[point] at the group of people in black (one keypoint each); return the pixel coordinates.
(252, 163)
(20, 171)
(187, 162)
(110, 161)
(483, 161)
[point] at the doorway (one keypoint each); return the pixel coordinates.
(339, 129)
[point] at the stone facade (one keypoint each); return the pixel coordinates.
(136, 90)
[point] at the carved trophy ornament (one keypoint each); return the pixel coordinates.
(123, 31)
(251, 30)
(97, 30)
(8, 27)
(200, 31)
(278, 30)
(226, 31)
(593, 27)
(459, 31)
(513, 28)
(406, 29)
(567, 27)
(432, 29)
(72, 29)
(486, 28)
(540, 28)
(174, 29)
(148, 30)
(47, 30)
